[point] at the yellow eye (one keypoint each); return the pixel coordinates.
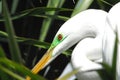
(60, 37)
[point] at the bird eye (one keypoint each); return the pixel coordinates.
(60, 37)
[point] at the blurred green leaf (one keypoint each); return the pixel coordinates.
(68, 75)
(107, 68)
(14, 49)
(104, 74)
(14, 6)
(2, 33)
(104, 1)
(111, 70)
(47, 22)
(114, 62)
(28, 41)
(4, 76)
(2, 53)
(38, 12)
(58, 17)
(81, 5)
(100, 3)
(11, 73)
(42, 10)
(0, 6)
(9, 65)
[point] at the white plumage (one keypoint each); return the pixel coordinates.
(94, 31)
(86, 29)
(112, 26)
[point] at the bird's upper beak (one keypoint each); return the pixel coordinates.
(43, 62)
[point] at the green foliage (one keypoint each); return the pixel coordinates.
(111, 71)
(17, 67)
(114, 62)
(48, 21)
(81, 5)
(13, 62)
(66, 77)
(2, 53)
(14, 49)
(39, 12)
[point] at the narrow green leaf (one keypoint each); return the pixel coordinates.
(107, 69)
(54, 4)
(106, 2)
(39, 12)
(104, 74)
(47, 22)
(114, 62)
(11, 73)
(28, 41)
(20, 69)
(81, 5)
(4, 76)
(14, 49)
(100, 3)
(67, 76)
(0, 6)
(2, 53)
(42, 10)
(14, 6)
(58, 17)
(2, 33)
(111, 70)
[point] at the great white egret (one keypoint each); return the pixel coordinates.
(112, 26)
(86, 24)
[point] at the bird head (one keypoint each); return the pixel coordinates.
(75, 29)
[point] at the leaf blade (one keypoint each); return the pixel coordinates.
(13, 46)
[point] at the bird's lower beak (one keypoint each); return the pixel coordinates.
(42, 62)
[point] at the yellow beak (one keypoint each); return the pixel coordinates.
(42, 62)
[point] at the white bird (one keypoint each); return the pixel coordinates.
(112, 26)
(86, 29)
(84, 56)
